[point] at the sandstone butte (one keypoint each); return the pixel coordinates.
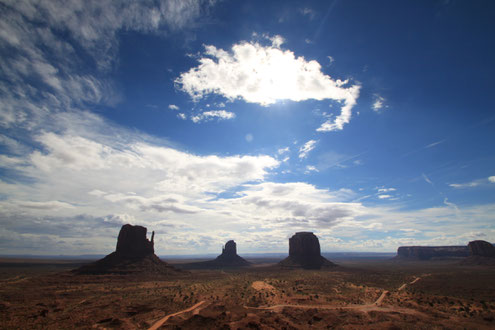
(304, 252)
(134, 254)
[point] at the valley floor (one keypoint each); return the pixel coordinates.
(358, 294)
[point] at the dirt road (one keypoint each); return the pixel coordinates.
(165, 319)
(375, 306)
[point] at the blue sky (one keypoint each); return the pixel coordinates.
(370, 123)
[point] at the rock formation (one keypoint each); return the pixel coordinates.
(482, 249)
(432, 252)
(304, 252)
(228, 259)
(134, 255)
(481, 253)
(132, 241)
(229, 256)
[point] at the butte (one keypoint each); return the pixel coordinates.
(228, 259)
(304, 252)
(135, 254)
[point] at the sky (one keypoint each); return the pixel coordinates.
(369, 123)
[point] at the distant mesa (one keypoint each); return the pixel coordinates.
(134, 254)
(480, 253)
(431, 252)
(228, 259)
(475, 253)
(229, 256)
(304, 252)
(482, 249)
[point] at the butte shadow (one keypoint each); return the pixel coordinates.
(228, 259)
(304, 252)
(135, 254)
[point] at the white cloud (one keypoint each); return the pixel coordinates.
(379, 103)
(283, 150)
(384, 190)
(46, 67)
(384, 196)
(471, 184)
(173, 107)
(249, 137)
(209, 115)
(474, 183)
(265, 74)
(431, 145)
(182, 116)
(306, 148)
(308, 12)
(426, 178)
(310, 168)
(330, 60)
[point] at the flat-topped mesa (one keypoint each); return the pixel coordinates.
(481, 248)
(304, 252)
(132, 241)
(304, 244)
(432, 252)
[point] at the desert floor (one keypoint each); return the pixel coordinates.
(371, 294)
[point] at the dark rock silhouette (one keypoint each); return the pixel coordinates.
(132, 241)
(134, 255)
(431, 252)
(481, 253)
(230, 248)
(228, 259)
(304, 252)
(481, 248)
(229, 256)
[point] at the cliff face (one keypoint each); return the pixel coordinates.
(432, 252)
(230, 249)
(481, 249)
(304, 244)
(132, 241)
(304, 252)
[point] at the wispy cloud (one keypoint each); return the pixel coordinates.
(431, 145)
(379, 103)
(426, 178)
(310, 168)
(474, 183)
(173, 107)
(384, 190)
(306, 148)
(213, 114)
(310, 13)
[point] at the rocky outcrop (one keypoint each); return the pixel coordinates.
(432, 252)
(481, 253)
(230, 249)
(134, 255)
(304, 252)
(481, 249)
(228, 259)
(132, 241)
(229, 256)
